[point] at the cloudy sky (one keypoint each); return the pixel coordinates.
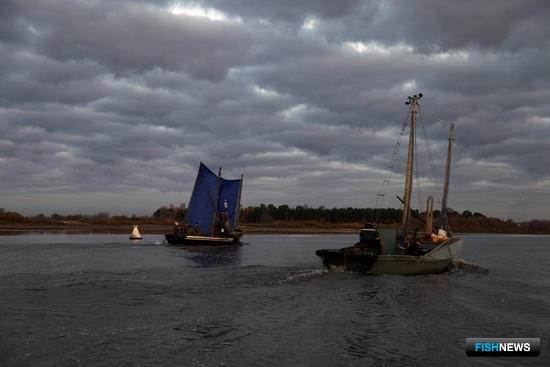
(111, 105)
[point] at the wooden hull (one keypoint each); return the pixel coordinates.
(382, 264)
(174, 239)
(437, 261)
(409, 265)
(340, 261)
(449, 249)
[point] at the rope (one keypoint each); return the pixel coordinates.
(437, 182)
(380, 196)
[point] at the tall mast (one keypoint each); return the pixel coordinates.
(406, 217)
(429, 215)
(238, 206)
(443, 222)
(216, 203)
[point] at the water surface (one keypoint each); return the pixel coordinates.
(102, 300)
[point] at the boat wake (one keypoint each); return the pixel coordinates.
(303, 275)
(461, 264)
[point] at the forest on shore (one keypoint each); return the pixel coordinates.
(283, 216)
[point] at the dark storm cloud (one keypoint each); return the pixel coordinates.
(132, 38)
(429, 25)
(110, 105)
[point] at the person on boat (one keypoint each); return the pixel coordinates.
(197, 229)
(401, 244)
(221, 224)
(412, 244)
(369, 239)
(413, 249)
(224, 223)
(184, 229)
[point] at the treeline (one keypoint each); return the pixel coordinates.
(269, 213)
(466, 221)
(56, 218)
(171, 212)
(482, 224)
(301, 215)
(259, 214)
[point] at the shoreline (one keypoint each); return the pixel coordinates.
(151, 228)
(146, 229)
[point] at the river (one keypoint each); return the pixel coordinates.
(102, 300)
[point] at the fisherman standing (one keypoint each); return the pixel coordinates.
(412, 244)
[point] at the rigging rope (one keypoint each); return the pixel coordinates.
(385, 183)
(434, 177)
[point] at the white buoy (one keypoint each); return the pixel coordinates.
(135, 234)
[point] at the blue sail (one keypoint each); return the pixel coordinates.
(211, 196)
(228, 201)
(202, 206)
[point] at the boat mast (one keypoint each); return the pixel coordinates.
(443, 221)
(238, 207)
(216, 203)
(406, 217)
(429, 215)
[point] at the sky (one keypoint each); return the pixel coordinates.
(111, 105)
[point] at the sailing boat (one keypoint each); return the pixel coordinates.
(402, 251)
(135, 235)
(213, 214)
